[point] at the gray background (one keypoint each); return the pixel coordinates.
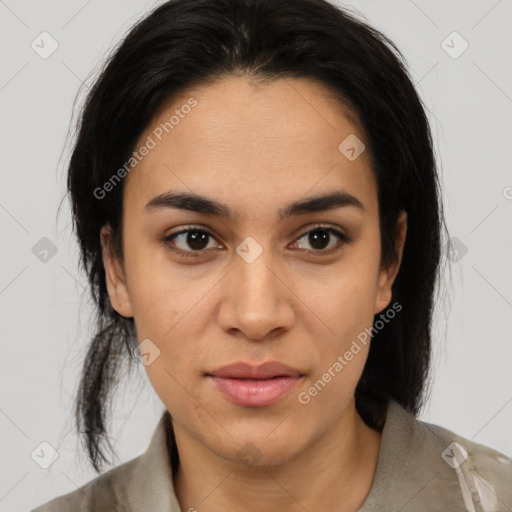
(45, 309)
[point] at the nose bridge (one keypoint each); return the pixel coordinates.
(259, 302)
(254, 270)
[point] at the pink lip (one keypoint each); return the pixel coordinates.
(255, 386)
(257, 392)
(241, 370)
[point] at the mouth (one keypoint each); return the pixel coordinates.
(255, 386)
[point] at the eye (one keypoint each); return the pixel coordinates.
(320, 237)
(194, 238)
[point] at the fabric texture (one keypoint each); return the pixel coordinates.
(421, 467)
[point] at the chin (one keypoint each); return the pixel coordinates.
(259, 451)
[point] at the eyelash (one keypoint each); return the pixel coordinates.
(344, 239)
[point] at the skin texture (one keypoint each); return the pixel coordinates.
(257, 148)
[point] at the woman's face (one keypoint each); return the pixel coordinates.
(257, 287)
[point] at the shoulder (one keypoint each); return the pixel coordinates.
(486, 472)
(143, 483)
(108, 491)
(447, 464)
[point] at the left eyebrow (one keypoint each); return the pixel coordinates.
(200, 204)
(321, 203)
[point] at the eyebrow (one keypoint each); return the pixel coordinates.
(200, 204)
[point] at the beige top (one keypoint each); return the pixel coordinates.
(421, 467)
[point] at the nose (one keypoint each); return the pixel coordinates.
(259, 301)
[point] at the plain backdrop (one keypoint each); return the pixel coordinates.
(44, 306)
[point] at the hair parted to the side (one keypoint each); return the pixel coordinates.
(185, 43)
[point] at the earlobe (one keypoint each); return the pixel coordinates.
(114, 275)
(387, 275)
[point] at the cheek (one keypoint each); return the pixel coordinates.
(345, 305)
(174, 372)
(160, 296)
(345, 301)
(172, 387)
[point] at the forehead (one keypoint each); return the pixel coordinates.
(240, 141)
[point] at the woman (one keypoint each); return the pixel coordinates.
(257, 203)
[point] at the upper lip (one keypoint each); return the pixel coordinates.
(241, 370)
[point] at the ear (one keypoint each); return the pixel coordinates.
(388, 274)
(114, 275)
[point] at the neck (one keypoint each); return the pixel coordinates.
(334, 472)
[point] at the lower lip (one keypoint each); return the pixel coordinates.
(255, 393)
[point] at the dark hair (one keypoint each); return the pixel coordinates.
(184, 43)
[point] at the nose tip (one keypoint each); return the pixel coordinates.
(257, 303)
